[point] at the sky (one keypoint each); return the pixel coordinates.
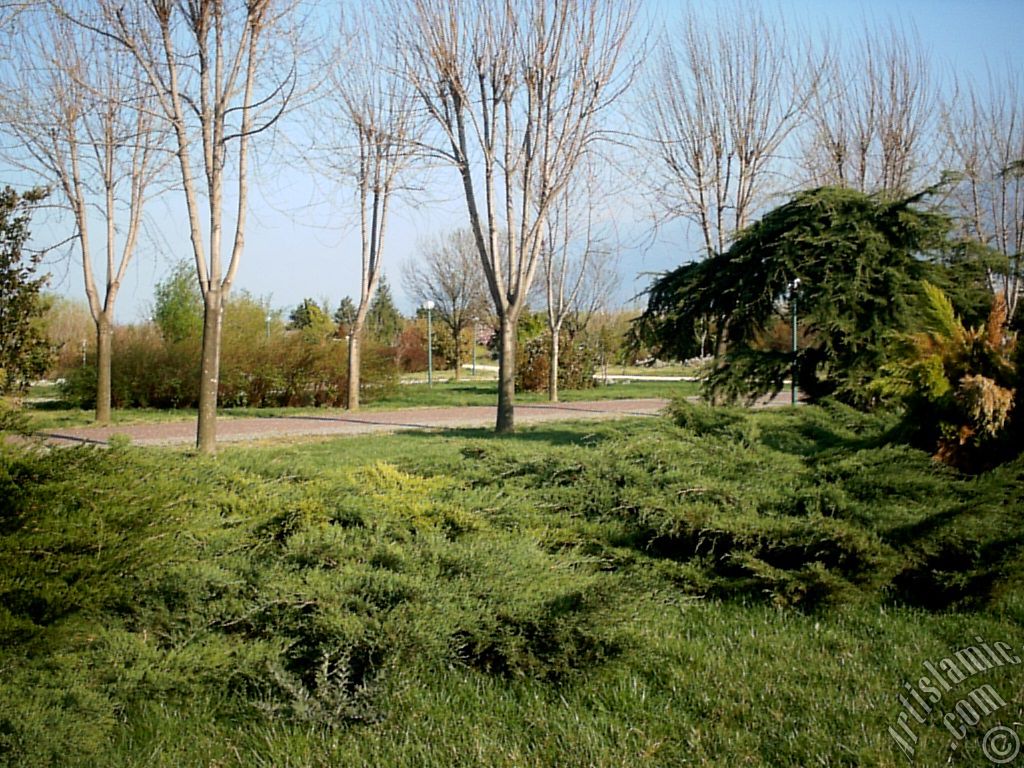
(302, 240)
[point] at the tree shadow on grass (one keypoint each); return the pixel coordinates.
(576, 434)
(47, 406)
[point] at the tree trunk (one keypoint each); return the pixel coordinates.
(553, 368)
(458, 354)
(506, 376)
(721, 347)
(352, 401)
(206, 429)
(104, 344)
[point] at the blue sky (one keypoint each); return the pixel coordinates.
(296, 251)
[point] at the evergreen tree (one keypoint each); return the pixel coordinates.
(178, 310)
(312, 320)
(308, 314)
(24, 351)
(383, 320)
(859, 261)
(345, 315)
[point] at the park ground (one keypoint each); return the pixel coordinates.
(700, 587)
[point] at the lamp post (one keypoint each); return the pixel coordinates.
(430, 345)
(793, 287)
(473, 343)
(268, 327)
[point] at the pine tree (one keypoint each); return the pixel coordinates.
(383, 320)
(345, 315)
(859, 260)
(25, 353)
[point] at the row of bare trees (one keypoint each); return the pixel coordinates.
(115, 101)
(739, 110)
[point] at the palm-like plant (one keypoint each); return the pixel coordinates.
(957, 382)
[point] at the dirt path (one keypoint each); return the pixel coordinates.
(339, 422)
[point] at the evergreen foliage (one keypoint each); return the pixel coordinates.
(25, 353)
(384, 323)
(674, 587)
(178, 305)
(311, 317)
(859, 259)
(345, 315)
(959, 384)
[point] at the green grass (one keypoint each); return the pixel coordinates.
(55, 414)
(719, 588)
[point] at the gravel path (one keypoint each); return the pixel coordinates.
(340, 422)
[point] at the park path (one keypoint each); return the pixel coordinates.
(332, 422)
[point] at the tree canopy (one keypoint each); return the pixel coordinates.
(178, 307)
(309, 315)
(383, 320)
(860, 260)
(24, 351)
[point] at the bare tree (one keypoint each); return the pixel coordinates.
(221, 78)
(872, 115)
(724, 96)
(984, 135)
(10, 9)
(369, 118)
(516, 90)
(448, 273)
(577, 268)
(84, 122)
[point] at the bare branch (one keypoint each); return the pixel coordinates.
(515, 92)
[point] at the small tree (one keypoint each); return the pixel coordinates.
(958, 383)
(310, 315)
(345, 316)
(222, 72)
(516, 92)
(178, 307)
(367, 137)
(577, 269)
(449, 275)
(24, 351)
(83, 117)
(383, 320)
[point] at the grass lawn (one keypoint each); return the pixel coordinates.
(47, 412)
(720, 587)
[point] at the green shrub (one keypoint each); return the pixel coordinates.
(608, 591)
(577, 362)
(289, 370)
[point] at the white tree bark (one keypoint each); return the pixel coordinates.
(983, 128)
(872, 120)
(85, 121)
(515, 91)
(205, 60)
(370, 121)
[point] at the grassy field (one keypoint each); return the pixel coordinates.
(47, 411)
(716, 588)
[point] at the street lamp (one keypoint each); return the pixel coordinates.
(269, 318)
(430, 345)
(473, 343)
(793, 287)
